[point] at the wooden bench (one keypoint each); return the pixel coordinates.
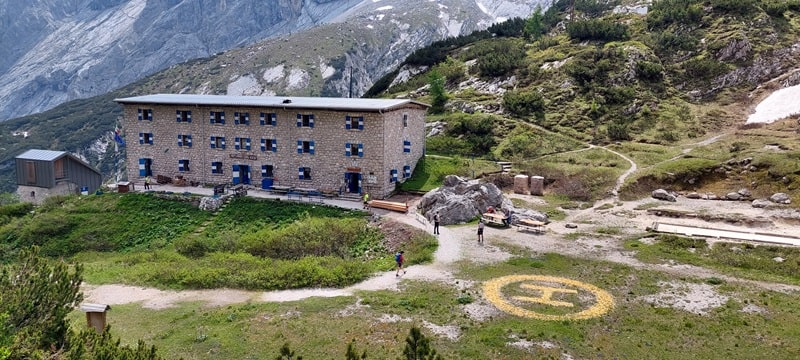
(536, 227)
(239, 190)
(494, 219)
(219, 189)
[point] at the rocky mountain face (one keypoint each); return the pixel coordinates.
(58, 51)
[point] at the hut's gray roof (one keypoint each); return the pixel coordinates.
(45, 155)
(287, 102)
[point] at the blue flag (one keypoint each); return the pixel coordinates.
(118, 138)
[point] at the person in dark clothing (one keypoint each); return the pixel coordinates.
(436, 224)
(399, 258)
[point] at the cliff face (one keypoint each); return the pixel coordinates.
(56, 51)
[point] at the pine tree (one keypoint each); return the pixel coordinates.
(418, 346)
(438, 94)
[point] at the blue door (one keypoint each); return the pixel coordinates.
(244, 171)
(266, 183)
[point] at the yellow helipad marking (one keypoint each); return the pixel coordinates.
(542, 294)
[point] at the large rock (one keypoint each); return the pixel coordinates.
(745, 192)
(211, 203)
(733, 196)
(780, 198)
(761, 203)
(459, 200)
(662, 194)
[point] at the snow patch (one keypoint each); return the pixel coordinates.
(273, 74)
(384, 8)
(380, 17)
(246, 85)
(483, 8)
(325, 69)
(370, 27)
(780, 104)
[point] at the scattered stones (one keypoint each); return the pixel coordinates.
(693, 195)
(211, 203)
(665, 195)
(745, 193)
(571, 226)
(780, 198)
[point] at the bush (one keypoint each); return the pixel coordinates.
(618, 131)
(667, 43)
(740, 7)
(701, 69)
(496, 57)
(649, 71)
(663, 13)
(523, 103)
(597, 29)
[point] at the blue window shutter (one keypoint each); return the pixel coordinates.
(140, 113)
(274, 145)
(407, 171)
(150, 139)
(212, 117)
(299, 146)
(247, 118)
(189, 116)
(222, 117)
(359, 183)
(180, 140)
(189, 140)
(311, 147)
(150, 114)
(236, 143)
(247, 144)
(263, 144)
(299, 120)
(262, 119)
(142, 170)
(361, 123)
(213, 144)
(263, 170)
(347, 122)
(177, 116)
(360, 150)
(347, 149)
(274, 118)
(236, 118)
(300, 173)
(180, 165)
(141, 138)
(223, 142)
(311, 120)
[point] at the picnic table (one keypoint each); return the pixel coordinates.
(281, 189)
(494, 218)
(531, 226)
(239, 190)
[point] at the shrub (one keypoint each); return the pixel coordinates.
(523, 103)
(649, 71)
(453, 71)
(597, 29)
(497, 57)
(618, 131)
(663, 13)
(438, 93)
(702, 69)
(740, 7)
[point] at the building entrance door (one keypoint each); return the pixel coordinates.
(353, 182)
(241, 174)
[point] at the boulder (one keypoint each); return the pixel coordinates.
(693, 195)
(211, 203)
(745, 193)
(733, 196)
(662, 194)
(459, 200)
(780, 198)
(761, 203)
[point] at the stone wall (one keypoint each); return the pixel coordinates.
(36, 195)
(382, 139)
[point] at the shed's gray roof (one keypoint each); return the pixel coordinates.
(45, 155)
(288, 102)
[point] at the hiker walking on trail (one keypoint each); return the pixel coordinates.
(366, 200)
(480, 232)
(436, 223)
(399, 258)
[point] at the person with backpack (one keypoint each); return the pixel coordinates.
(436, 223)
(480, 232)
(399, 259)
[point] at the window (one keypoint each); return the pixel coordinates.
(242, 143)
(393, 175)
(271, 144)
(216, 167)
(145, 167)
(406, 172)
(217, 142)
(183, 165)
(146, 138)
(217, 118)
(305, 147)
(185, 140)
(304, 173)
(353, 149)
(267, 171)
(305, 120)
(269, 119)
(183, 116)
(59, 168)
(405, 120)
(242, 118)
(406, 146)
(354, 122)
(145, 114)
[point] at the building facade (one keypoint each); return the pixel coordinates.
(326, 144)
(41, 173)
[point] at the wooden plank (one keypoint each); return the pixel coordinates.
(389, 205)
